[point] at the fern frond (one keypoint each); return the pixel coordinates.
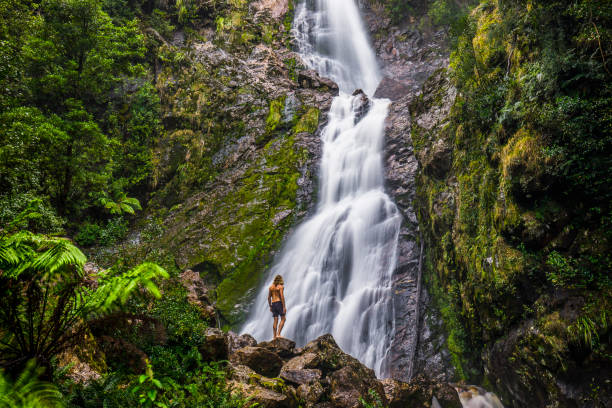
(61, 254)
(28, 392)
(114, 291)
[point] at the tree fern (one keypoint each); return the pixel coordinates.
(44, 302)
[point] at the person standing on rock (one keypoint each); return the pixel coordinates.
(276, 301)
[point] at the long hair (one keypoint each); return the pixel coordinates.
(278, 280)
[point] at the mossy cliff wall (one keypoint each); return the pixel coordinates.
(513, 202)
(237, 165)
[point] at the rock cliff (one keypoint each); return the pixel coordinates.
(236, 168)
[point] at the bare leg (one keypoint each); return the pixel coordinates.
(275, 324)
(280, 328)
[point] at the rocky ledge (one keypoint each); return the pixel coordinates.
(276, 374)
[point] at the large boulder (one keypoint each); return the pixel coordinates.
(420, 392)
(348, 379)
(329, 356)
(352, 382)
(303, 376)
(259, 359)
(238, 341)
(300, 369)
(215, 345)
(283, 347)
(264, 397)
(310, 393)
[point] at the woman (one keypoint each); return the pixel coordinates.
(276, 301)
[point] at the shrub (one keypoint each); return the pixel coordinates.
(88, 235)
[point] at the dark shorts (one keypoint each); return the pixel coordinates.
(277, 309)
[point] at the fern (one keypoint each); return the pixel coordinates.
(44, 302)
(27, 391)
(114, 291)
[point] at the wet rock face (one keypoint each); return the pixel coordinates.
(321, 375)
(361, 105)
(239, 157)
(408, 56)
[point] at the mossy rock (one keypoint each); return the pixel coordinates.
(524, 165)
(308, 122)
(489, 48)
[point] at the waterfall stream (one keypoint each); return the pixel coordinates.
(338, 264)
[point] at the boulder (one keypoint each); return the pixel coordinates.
(310, 393)
(329, 356)
(303, 376)
(420, 392)
(198, 295)
(299, 370)
(215, 346)
(361, 105)
(246, 375)
(352, 382)
(305, 360)
(238, 341)
(264, 397)
(259, 359)
(348, 379)
(281, 346)
(241, 373)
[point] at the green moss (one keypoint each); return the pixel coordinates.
(487, 42)
(523, 164)
(308, 122)
(275, 114)
(262, 196)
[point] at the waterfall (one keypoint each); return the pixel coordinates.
(338, 264)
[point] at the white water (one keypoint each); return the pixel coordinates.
(337, 266)
(476, 397)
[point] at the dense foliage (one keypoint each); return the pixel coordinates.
(45, 298)
(529, 232)
(79, 118)
(80, 121)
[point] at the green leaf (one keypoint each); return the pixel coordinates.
(152, 394)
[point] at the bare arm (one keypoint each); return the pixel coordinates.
(282, 296)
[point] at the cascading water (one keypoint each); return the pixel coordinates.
(337, 265)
